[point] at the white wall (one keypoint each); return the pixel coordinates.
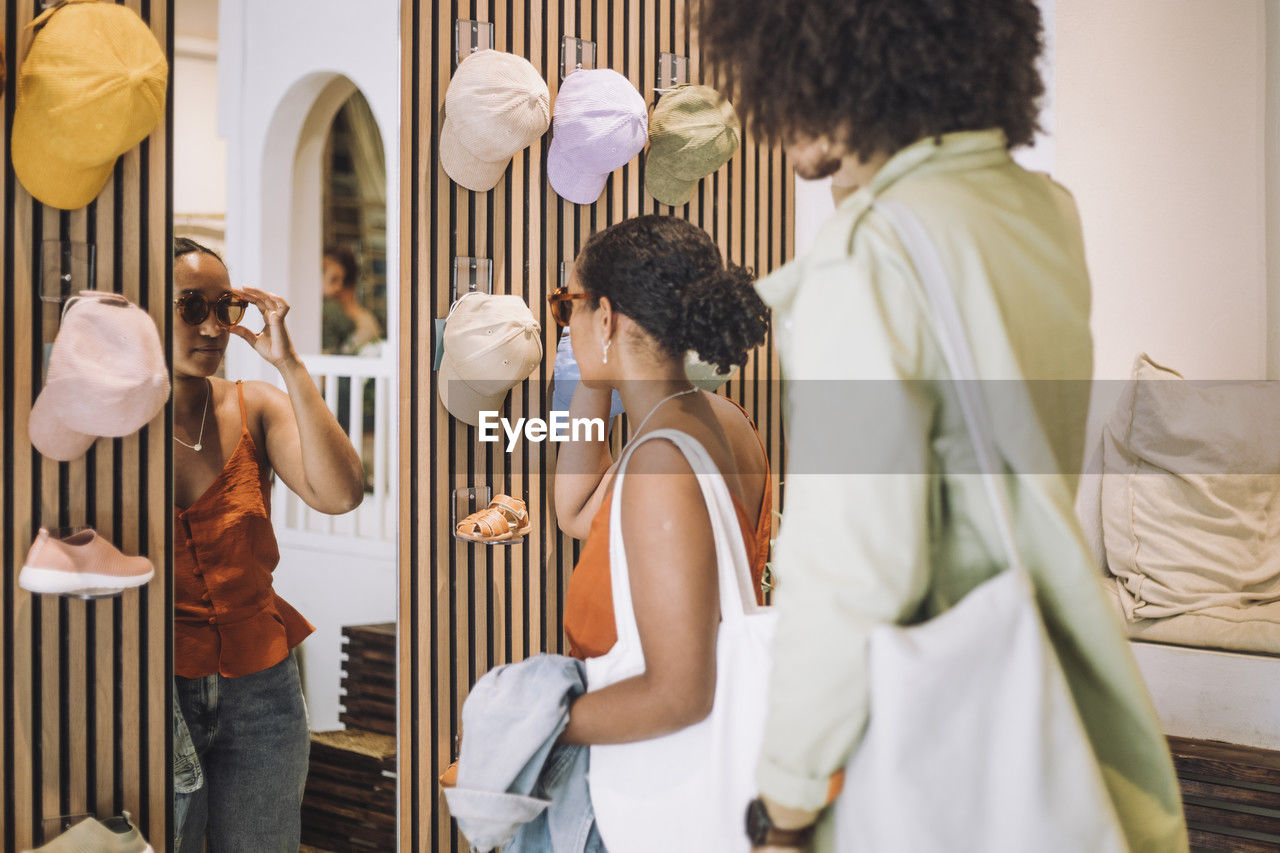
(332, 590)
(277, 59)
(1160, 135)
(1159, 119)
(1273, 189)
(199, 153)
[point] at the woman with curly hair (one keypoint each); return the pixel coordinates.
(916, 104)
(643, 294)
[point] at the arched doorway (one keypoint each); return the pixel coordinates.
(324, 188)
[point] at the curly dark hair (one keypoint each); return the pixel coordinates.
(877, 74)
(667, 275)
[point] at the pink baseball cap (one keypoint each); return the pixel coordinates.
(107, 376)
(599, 124)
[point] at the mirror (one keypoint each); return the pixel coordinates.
(285, 525)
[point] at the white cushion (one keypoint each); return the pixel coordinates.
(1190, 498)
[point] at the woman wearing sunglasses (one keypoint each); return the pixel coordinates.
(241, 740)
(643, 293)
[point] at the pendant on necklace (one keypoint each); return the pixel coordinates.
(196, 448)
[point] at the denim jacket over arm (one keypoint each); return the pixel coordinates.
(516, 788)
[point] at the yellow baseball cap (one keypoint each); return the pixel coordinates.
(92, 86)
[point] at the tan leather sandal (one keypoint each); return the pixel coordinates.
(504, 518)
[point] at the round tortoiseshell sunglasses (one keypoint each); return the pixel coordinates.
(193, 308)
(561, 301)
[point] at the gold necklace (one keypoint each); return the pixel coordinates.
(203, 415)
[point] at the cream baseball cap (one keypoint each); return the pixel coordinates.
(497, 105)
(107, 376)
(601, 123)
(91, 87)
(491, 344)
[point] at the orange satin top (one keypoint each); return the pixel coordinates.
(588, 607)
(227, 619)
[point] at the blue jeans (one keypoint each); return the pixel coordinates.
(251, 739)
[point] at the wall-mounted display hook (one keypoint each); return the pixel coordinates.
(470, 37)
(66, 268)
(576, 53)
(471, 275)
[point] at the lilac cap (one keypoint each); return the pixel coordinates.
(599, 124)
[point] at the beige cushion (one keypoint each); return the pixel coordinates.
(1190, 498)
(1238, 629)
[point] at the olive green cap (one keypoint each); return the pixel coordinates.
(692, 133)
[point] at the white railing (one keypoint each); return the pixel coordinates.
(370, 529)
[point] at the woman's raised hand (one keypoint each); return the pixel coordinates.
(272, 342)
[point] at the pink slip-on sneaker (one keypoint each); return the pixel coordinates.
(82, 564)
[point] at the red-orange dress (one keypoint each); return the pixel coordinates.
(588, 607)
(227, 619)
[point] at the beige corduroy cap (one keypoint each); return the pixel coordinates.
(491, 344)
(497, 105)
(692, 133)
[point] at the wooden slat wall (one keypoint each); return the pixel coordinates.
(465, 608)
(84, 722)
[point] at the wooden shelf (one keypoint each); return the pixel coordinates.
(1230, 794)
(350, 800)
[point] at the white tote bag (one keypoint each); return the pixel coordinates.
(687, 791)
(973, 742)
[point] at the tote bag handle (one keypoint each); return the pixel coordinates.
(954, 343)
(733, 576)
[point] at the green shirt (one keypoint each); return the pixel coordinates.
(883, 519)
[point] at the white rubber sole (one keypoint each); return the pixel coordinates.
(54, 582)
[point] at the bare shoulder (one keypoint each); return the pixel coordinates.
(741, 434)
(258, 394)
(733, 420)
(658, 456)
(659, 485)
(264, 401)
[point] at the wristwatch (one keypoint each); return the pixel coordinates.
(761, 832)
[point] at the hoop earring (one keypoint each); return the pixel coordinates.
(604, 358)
